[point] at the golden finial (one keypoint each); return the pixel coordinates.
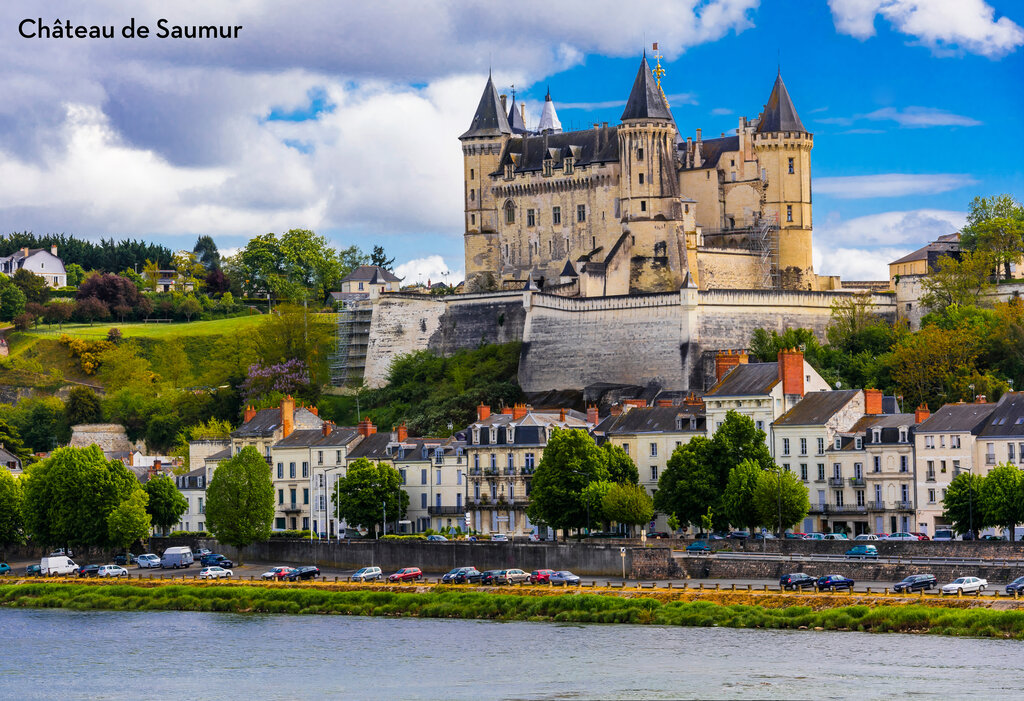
(658, 71)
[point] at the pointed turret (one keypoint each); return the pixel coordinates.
(779, 114)
(548, 118)
(489, 119)
(515, 117)
(645, 100)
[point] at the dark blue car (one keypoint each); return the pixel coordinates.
(1016, 585)
(834, 582)
(214, 559)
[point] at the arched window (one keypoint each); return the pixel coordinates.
(510, 213)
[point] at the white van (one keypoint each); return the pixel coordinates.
(178, 556)
(59, 565)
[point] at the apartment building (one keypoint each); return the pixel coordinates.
(434, 475)
(262, 428)
(192, 486)
(1001, 440)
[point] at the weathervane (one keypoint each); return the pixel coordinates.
(658, 71)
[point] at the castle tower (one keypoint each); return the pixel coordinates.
(482, 145)
(548, 119)
(783, 149)
(517, 116)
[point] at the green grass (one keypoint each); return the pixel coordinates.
(569, 608)
(137, 329)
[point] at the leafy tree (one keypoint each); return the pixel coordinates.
(310, 261)
(378, 257)
(367, 491)
(217, 283)
(75, 274)
(12, 299)
(1000, 498)
(91, 309)
(12, 504)
(172, 362)
(83, 407)
(113, 290)
(104, 255)
(926, 364)
(33, 286)
(593, 500)
(40, 421)
(166, 503)
(11, 440)
(621, 469)
(240, 500)
(962, 504)
(123, 367)
(161, 429)
(293, 333)
(151, 274)
(629, 504)
(781, 487)
(129, 521)
(206, 253)
(58, 312)
(190, 306)
(69, 496)
(995, 225)
(738, 498)
(961, 280)
(738, 439)
(571, 461)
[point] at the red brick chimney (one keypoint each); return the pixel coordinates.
(616, 409)
(366, 428)
(637, 403)
(693, 401)
(561, 414)
(250, 414)
(981, 399)
(315, 410)
(287, 415)
(403, 432)
(872, 401)
(726, 360)
(921, 413)
(791, 371)
(483, 412)
(518, 412)
(592, 415)
(665, 403)
(506, 410)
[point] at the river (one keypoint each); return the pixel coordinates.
(55, 653)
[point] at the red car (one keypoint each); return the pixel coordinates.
(406, 574)
(920, 536)
(541, 576)
(277, 573)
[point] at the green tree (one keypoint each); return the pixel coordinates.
(571, 461)
(40, 421)
(367, 491)
(689, 486)
(190, 306)
(310, 262)
(961, 506)
(166, 504)
(293, 332)
(11, 440)
(123, 367)
(629, 504)
(957, 281)
(593, 500)
(172, 362)
(83, 407)
(69, 496)
(12, 299)
(206, 252)
(995, 225)
(240, 500)
(75, 274)
(33, 286)
(780, 492)
(738, 498)
(621, 469)
(12, 504)
(1000, 498)
(378, 257)
(129, 521)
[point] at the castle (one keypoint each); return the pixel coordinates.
(634, 208)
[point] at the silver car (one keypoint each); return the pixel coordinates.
(367, 574)
(112, 571)
(564, 578)
(148, 560)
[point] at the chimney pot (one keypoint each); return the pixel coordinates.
(791, 371)
(326, 428)
(483, 412)
(518, 412)
(53, 251)
(921, 413)
(366, 428)
(872, 401)
(403, 432)
(592, 415)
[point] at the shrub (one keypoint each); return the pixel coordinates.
(291, 534)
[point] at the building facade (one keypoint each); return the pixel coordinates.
(45, 264)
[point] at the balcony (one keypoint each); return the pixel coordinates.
(904, 506)
(291, 507)
(849, 509)
(835, 481)
(876, 506)
(819, 508)
(856, 481)
(446, 510)
(501, 505)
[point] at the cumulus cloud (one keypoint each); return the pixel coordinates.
(912, 117)
(857, 263)
(429, 269)
(941, 25)
(720, 111)
(891, 184)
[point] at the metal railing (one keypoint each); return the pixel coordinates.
(835, 481)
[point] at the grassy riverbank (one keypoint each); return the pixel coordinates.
(443, 602)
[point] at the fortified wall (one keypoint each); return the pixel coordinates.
(572, 342)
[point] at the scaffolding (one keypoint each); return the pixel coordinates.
(342, 344)
(766, 235)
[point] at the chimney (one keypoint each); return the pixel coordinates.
(921, 414)
(561, 414)
(791, 371)
(53, 251)
(366, 428)
(693, 401)
(638, 403)
(288, 415)
(872, 401)
(326, 428)
(698, 135)
(315, 410)
(506, 410)
(981, 399)
(592, 415)
(665, 403)
(24, 251)
(403, 432)
(483, 412)
(518, 412)
(250, 414)
(726, 360)
(504, 107)
(616, 409)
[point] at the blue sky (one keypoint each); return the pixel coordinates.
(344, 119)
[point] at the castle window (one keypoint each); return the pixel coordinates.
(567, 244)
(764, 174)
(640, 154)
(581, 212)
(708, 173)
(567, 165)
(472, 195)
(686, 208)
(531, 217)
(547, 167)
(510, 213)
(506, 251)
(472, 220)
(789, 212)
(641, 176)
(556, 215)
(617, 215)
(508, 172)
(472, 173)
(643, 205)
(791, 171)
(732, 162)
(734, 177)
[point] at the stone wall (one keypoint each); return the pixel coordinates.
(721, 268)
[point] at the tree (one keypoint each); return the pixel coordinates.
(593, 500)
(129, 521)
(12, 299)
(123, 367)
(738, 498)
(33, 286)
(571, 461)
(378, 257)
(962, 506)
(69, 496)
(368, 490)
(12, 503)
(217, 283)
(190, 306)
(628, 504)
(779, 491)
(957, 280)
(293, 333)
(75, 274)
(59, 312)
(206, 253)
(166, 504)
(113, 290)
(1000, 498)
(12, 442)
(309, 262)
(41, 423)
(689, 487)
(621, 469)
(91, 309)
(83, 407)
(995, 225)
(240, 500)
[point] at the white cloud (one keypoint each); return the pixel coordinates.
(921, 117)
(891, 184)
(431, 268)
(720, 111)
(937, 24)
(857, 263)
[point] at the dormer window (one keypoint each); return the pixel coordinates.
(567, 165)
(839, 443)
(494, 435)
(858, 443)
(548, 167)
(508, 172)
(876, 435)
(679, 423)
(476, 435)
(510, 433)
(903, 434)
(693, 423)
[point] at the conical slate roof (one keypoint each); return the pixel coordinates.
(645, 100)
(489, 119)
(515, 118)
(548, 118)
(779, 114)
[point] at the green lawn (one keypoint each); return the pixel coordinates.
(214, 327)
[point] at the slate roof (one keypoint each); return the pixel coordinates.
(219, 455)
(958, 417)
(815, 408)
(944, 246)
(1008, 417)
(751, 379)
(587, 146)
(870, 421)
(489, 119)
(515, 118)
(7, 457)
(655, 419)
(779, 114)
(645, 99)
(266, 421)
(190, 480)
(315, 438)
(371, 273)
(372, 447)
(711, 150)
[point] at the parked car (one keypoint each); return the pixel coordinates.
(60, 551)
(739, 535)
(814, 536)
(943, 534)
(215, 559)
(57, 566)
(901, 536)
(965, 585)
(797, 580)
(89, 571)
(763, 536)
(436, 539)
(277, 573)
(564, 578)
(795, 536)
(920, 536)
(698, 546)
(499, 538)
(836, 536)
(513, 576)
(5, 568)
(215, 572)
(124, 559)
(112, 571)
(461, 575)
(32, 571)
(541, 576)
(862, 551)
(406, 574)
(657, 535)
(834, 582)
(199, 553)
(149, 560)
(990, 536)
(916, 582)
(488, 576)
(866, 536)
(304, 572)
(1016, 585)
(365, 574)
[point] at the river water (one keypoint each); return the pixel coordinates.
(183, 655)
